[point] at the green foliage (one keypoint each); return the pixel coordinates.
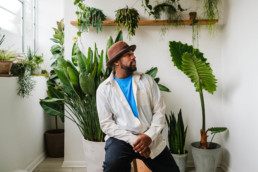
(211, 9)
(153, 72)
(87, 16)
(7, 54)
(215, 130)
(127, 18)
(53, 104)
(25, 82)
(176, 133)
(199, 72)
(171, 8)
(79, 89)
(57, 50)
(38, 60)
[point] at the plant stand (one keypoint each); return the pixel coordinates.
(94, 155)
(205, 160)
(181, 161)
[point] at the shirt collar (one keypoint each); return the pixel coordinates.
(136, 76)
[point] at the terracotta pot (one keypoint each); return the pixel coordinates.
(54, 140)
(5, 67)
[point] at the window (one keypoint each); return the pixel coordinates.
(12, 22)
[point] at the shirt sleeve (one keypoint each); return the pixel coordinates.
(107, 123)
(158, 112)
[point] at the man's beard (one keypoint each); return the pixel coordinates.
(129, 69)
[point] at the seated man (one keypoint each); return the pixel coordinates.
(131, 114)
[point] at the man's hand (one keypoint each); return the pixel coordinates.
(142, 143)
(146, 154)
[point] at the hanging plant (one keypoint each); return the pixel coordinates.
(211, 11)
(87, 16)
(127, 18)
(171, 8)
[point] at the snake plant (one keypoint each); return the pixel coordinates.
(176, 133)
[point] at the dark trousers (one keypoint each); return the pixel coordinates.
(120, 154)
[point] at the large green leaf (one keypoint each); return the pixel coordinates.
(54, 107)
(54, 93)
(152, 72)
(119, 36)
(177, 49)
(199, 72)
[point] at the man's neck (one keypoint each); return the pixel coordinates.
(122, 74)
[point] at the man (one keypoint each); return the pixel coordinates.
(131, 114)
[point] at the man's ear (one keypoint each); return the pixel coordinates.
(116, 63)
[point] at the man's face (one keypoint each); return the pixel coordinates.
(128, 62)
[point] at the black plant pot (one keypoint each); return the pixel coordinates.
(54, 142)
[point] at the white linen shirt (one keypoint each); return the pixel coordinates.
(117, 119)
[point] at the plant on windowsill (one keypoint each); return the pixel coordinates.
(192, 62)
(37, 60)
(6, 57)
(88, 16)
(176, 139)
(127, 18)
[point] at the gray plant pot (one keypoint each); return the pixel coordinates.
(205, 160)
(181, 161)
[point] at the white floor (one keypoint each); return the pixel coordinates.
(55, 165)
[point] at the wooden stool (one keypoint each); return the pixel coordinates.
(139, 166)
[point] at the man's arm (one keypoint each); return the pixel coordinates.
(157, 124)
(107, 123)
(158, 111)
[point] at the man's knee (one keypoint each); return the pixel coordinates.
(116, 165)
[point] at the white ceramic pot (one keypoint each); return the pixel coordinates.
(181, 161)
(94, 155)
(37, 71)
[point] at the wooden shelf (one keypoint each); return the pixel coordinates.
(191, 21)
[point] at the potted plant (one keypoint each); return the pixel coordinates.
(5, 59)
(127, 18)
(88, 16)
(171, 9)
(53, 104)
(176, 139)
(37, 59)
(192, 62)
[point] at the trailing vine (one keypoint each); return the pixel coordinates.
(87, 16)
(128, 18)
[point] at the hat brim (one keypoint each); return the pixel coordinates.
(118, 56)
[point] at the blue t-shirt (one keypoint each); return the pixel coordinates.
(127, 88)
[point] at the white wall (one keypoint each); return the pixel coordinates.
(153, 50)
(22, 126)
(239, 64)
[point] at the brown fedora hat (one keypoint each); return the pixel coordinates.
(117, 50)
